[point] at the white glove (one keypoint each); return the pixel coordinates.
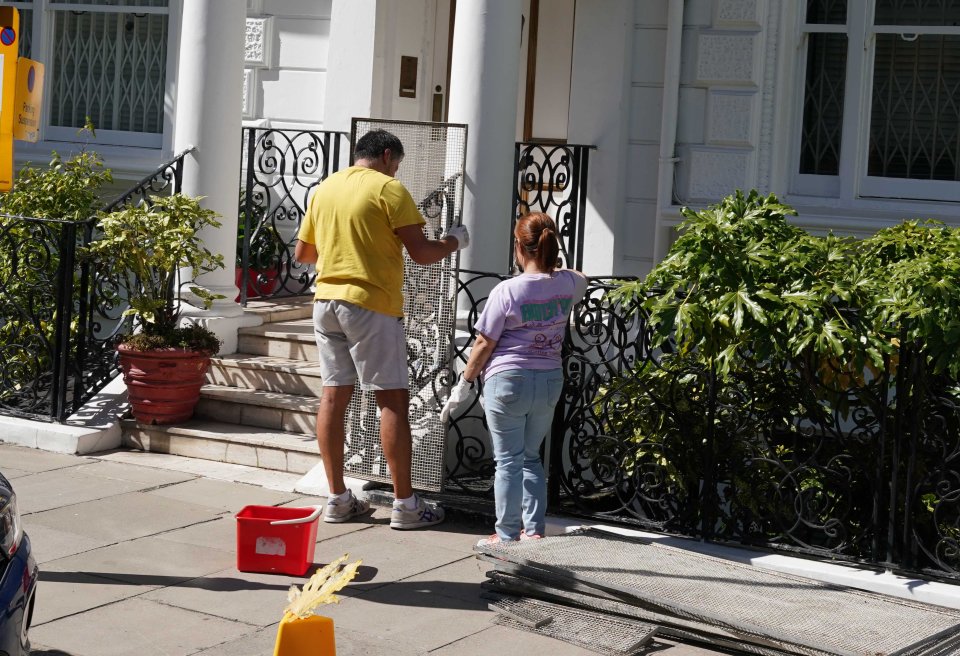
(459, 232)
(459, 395)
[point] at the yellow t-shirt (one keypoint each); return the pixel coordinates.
(351, 219)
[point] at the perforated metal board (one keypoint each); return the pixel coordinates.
(797, 613)
(432, 170)
(600, 633)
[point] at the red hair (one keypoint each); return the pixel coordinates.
(536, 233)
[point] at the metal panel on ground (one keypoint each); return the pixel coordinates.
(761, 607)
(432, 170)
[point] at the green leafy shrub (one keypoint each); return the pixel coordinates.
(149, 245)
(799, 331)
(67, 189)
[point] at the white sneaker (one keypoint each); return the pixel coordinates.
(344, 511)
(427, 513)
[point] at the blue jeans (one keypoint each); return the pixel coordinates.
(519, 406)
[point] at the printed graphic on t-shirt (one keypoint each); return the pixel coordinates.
(533, 313)
(542, 342)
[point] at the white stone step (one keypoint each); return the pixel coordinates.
(266, 373)
(270, 410)
(231, 443)
(282, 339)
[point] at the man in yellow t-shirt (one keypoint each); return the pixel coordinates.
(357, 223)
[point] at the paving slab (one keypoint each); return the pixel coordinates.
(52, 543)
(124, 517)
(132, 472)
(520, 642)
(34, 460)
(409, 613)
(62, 594)
(56, 489)
(151, 562)
(137, 626)
(378, 548)
(222, 495)
(258, 643)
(256, 599)
(12, 473)
(218, 533)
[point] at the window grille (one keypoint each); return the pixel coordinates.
(909, 53)
(823, 104)
(111, 67)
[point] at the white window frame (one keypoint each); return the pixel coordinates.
(42, 51)
(852, 182)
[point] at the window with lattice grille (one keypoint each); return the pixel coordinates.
(106, 60)
(881, 99)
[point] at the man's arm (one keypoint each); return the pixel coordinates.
(422, 250)
(305, 253)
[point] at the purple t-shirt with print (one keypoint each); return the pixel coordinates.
(527, 316)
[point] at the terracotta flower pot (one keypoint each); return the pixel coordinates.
(163, 386)
(256, 288)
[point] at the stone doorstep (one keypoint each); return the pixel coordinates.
(290, 339)
(277, 310)
(230, 443)
(271, 410)
(268, 374)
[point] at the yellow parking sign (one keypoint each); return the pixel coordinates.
(26, 121)
(9, 43)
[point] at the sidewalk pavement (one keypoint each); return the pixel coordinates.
(137, 557)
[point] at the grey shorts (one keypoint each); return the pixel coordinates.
(359, 344)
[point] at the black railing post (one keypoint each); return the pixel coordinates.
(251, 142)
(583, 170)
(515, 205)
(903, 395)
(708, 494)
(918, 377)
(64, 316)
(84, 318)
(880, 475)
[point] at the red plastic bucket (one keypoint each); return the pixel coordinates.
(276, 540)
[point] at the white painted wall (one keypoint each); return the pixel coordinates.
(288, 88)
(600, 108)
(554, 53)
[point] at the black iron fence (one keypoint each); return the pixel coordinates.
(280, 170)
(852, 466)
(552, 178)
(60, 318)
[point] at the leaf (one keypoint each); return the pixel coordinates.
(320, 589)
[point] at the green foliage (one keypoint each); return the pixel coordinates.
(66, 189)
(266, 244)
(796, 328)
(148, 244)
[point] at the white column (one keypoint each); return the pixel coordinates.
(484, 75)
(208, 107)
(600, 116)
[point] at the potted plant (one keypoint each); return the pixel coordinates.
(164, 364)
(265, 255)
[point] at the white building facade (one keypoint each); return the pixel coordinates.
(846, 109)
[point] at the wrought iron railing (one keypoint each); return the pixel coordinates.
(280, 170)
(552, 178)
(60, 317)
(801, 458)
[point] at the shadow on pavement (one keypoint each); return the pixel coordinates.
(214, 583)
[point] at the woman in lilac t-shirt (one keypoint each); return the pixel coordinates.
(519, 338)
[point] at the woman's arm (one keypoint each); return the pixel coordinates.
(482, 350)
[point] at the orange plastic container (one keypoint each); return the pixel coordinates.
(276, 540)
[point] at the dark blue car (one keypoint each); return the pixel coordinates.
(18, 577)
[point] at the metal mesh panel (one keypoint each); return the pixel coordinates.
(598, 632)
(787, 609)
(672, 627)
(432, 170)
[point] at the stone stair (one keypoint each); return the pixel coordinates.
(259, 406)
